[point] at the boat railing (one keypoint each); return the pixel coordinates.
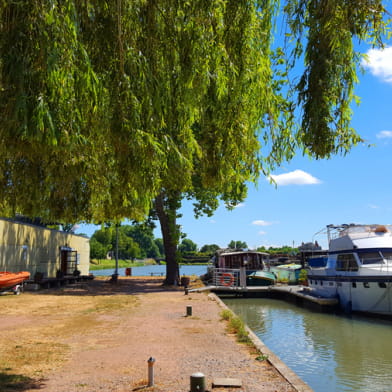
(226, 277)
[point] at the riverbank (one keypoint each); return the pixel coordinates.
(98, 336)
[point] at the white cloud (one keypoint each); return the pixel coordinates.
(296, 177)
(373, 206)
(261, 223)
(262, 232)
(384, 135)
(240, 205)
(379, 62)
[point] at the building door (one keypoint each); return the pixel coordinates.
(69, 260)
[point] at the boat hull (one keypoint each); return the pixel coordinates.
(10, 279)
(366, 294)
(261, 278)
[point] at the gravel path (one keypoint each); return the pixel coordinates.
(113, 356)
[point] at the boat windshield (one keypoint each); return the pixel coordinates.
(371, 257)
(387, 254)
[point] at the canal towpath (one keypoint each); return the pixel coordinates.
(114, 356)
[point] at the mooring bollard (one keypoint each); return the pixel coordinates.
(151, 362)
(189, 310)
(198, 382)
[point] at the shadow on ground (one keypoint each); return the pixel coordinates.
(17, 382)
(131, 285)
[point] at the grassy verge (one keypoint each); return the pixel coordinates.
(111, 264)
(236, 326)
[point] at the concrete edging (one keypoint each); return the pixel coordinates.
(297, 383)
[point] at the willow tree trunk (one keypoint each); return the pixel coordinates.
(166, 209)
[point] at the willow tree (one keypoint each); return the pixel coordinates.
(108, 108)
(67, 149)
(244, 125)
(47, 97)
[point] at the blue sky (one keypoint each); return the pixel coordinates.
(310, 194)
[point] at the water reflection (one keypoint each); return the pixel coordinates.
(329, 352)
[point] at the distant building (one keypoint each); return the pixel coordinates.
(27, 247)
(309, 246)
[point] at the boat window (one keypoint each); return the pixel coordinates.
(387, 255)
(370, 258)
(346, 262)
(366, 285)
(382, 285)
(354, 284)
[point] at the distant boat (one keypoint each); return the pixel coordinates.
(11, 279)
(227, 264)
(358, 268)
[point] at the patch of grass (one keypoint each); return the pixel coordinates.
(226, 314)
(31, 357)
(111, 264)
(34, 350)
(261, 357)
(236, 326)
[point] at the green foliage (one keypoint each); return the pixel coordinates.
(303, 276)
(209, 249)
(286, 250)
(236, 326)
(187, 246)
(237, 245)
(326, 88)
(226, 314)
(108, 108)
(135, 241)
(97, 249)
(100, 264)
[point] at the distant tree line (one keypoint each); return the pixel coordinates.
(138, 242)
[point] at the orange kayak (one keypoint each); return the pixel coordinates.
(9, 279)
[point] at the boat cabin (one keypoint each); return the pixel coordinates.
(251, 260)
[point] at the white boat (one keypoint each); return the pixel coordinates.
(358, 269)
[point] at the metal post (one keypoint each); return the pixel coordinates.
(243, 276)
(198, 382)
(116, 269)
(151, 362)
(189, 310)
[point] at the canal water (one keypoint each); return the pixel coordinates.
(329, 352)
(147, 270)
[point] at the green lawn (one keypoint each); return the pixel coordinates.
(111, 264)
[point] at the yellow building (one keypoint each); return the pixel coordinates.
(26, 247)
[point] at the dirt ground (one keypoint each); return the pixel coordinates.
(98, 336)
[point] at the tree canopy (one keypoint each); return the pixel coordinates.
(109, 108)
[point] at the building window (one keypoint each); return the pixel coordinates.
(354, 284)
(366, 285)
(382, 285)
